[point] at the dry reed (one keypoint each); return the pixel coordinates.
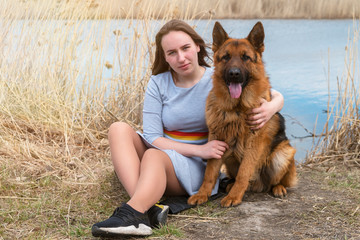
(293, 9)
(55, 102)
(341, 143)
(56, 105)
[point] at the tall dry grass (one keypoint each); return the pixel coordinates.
(56, 106)
(340, 143)
(319, 9)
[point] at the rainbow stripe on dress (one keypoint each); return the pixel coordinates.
(190, 137)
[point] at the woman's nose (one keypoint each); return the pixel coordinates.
(181, 56)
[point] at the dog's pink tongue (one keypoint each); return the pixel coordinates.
(235, 90)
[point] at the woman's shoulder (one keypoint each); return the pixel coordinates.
(209, 71)
(207, 77)
(160, 79)
(161, 76)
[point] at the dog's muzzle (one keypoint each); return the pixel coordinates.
(234, 80)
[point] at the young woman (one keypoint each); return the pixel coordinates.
(168, 158)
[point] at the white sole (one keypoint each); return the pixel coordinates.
(142, 230)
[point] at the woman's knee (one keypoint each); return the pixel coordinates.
(154, 153)
(155, 156)
(122, 134)
(120, 129)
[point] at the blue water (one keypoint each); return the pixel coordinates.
(302, 57)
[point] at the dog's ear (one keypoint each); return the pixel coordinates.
(256, 37)
(219, 36)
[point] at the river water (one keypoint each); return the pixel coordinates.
(302, 58)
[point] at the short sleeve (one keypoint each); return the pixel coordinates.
(152, 111)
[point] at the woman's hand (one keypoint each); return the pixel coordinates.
(257, 117)
(213, 149)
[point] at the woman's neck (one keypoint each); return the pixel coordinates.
(187, 81)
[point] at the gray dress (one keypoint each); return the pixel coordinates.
(178, 114)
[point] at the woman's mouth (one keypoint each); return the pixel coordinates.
(184, 66)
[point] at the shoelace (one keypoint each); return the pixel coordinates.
(122, 212)
(159, 205)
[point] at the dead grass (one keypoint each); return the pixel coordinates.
(56, 179)
(320, 9)
(340, 142)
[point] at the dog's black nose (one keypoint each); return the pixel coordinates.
(234, 73)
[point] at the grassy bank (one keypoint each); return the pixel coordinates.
(56, 179)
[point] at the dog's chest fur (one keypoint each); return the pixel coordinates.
(228, 125)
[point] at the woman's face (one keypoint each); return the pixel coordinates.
(181, 52)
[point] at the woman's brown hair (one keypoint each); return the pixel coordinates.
(160, 65)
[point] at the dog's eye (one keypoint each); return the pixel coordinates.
(245, 57)
(226, 57)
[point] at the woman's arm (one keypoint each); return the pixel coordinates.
(153, 129)
(212, 149)
(257, 117)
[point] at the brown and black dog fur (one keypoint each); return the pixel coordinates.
(260, 160)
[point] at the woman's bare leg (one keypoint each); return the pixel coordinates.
(126, 149)
(146, 174)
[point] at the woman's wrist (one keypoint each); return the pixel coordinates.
(277, 101)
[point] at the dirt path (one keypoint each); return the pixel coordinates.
(324, 205)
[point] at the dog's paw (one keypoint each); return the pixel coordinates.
(197, 199)
(229, 201)
(279, 191)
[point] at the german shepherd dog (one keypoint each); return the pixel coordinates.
(260, 160)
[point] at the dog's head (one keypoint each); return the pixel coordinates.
(237, 60)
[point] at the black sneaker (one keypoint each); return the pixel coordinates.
(124, 221)
(158, 215)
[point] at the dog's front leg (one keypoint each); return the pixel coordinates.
(246, 170)
(211, 174)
